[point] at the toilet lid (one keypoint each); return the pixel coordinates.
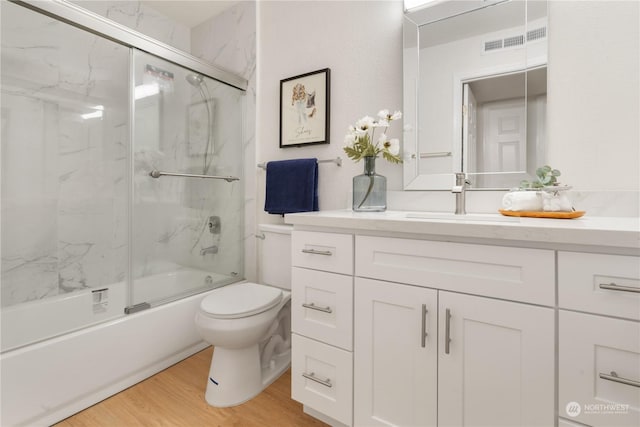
(241, 300)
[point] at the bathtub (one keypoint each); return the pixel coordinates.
(47, 380)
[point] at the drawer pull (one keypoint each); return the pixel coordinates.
(447, 330)
(317, 252)
(615, 378)
(312, 377)
(614, 287)
(424, 325)
(312, 306)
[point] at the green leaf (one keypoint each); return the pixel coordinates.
(390, 157)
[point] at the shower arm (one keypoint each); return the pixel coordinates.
(157, 174)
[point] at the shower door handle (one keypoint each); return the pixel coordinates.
(157, 174)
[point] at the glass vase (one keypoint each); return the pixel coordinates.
(369, 189)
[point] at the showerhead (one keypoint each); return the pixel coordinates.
(195, 80)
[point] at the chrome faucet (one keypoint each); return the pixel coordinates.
(210, 250)
(459, 190)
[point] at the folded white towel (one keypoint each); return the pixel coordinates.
(522, 201)
(556, 202)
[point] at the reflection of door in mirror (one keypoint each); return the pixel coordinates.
(503, 127)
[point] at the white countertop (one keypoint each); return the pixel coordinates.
(617, 232)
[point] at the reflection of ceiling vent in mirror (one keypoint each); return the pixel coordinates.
(492, 45)
(538, 33)
(514, 41)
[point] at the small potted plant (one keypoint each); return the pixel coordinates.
(542, 194)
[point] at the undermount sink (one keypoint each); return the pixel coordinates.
(466, 217)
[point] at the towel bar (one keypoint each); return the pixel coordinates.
(337, 161)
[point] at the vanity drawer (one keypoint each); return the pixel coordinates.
(322, 378)
(322, 306)
(598, 283)
(323, 251)
(591, 346)
(516, 274)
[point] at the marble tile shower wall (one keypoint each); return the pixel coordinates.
(64, 180)
(63, 176)
(229, 41)
(142, 18)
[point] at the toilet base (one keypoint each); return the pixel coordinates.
(235, 375)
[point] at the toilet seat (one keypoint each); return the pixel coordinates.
(240, 300)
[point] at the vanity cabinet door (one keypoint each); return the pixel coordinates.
(497, 367)
(395, 352)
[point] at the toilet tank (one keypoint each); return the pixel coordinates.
(275, 255)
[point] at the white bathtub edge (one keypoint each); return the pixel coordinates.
(49, 381)
(110, 390)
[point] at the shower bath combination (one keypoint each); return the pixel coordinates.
(95, 252)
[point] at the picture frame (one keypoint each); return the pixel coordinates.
(304, 109)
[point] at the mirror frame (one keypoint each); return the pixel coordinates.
(412, 21)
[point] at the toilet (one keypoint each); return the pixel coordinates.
(249, 325)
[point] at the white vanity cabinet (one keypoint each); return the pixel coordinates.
(427, 357)
(322, 324)
(455, 323)
(599, 338)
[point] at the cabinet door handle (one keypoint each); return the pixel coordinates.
(312, 306)
(613, 287)
(311, 376)
(447, 330)
(616, 379)
(317, 252)
(423, 335)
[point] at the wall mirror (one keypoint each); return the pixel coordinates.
(475, 93)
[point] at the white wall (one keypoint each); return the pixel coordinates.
(361, 42)
(594, 93)
(594, 134)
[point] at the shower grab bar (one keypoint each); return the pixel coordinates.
(157, 174)
(337, 161)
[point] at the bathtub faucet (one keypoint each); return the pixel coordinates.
(210, 250)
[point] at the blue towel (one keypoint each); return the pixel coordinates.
(292, 186)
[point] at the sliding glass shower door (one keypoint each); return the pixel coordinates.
(186, 230)
(87, 233)
(65, 168)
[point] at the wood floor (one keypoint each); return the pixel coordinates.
(175, 397)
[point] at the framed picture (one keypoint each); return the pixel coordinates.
(304, 109)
